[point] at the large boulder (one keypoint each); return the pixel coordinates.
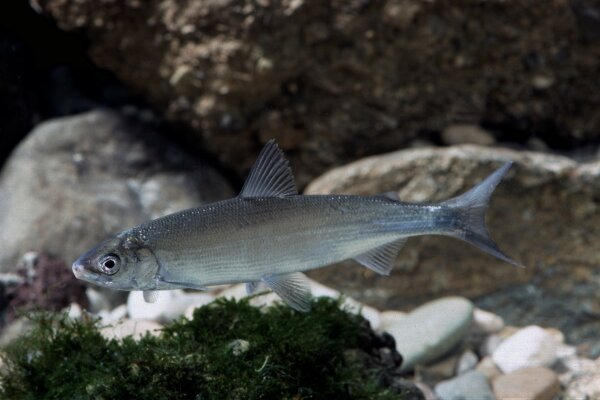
(75, 180)
(543, 214)
(337, 80)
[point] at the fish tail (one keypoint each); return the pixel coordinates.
(470, 210)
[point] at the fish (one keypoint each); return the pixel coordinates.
(270, 235)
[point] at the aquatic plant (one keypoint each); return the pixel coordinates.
(228, 350)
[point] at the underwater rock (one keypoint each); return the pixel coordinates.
(531, 383)
(317, 290)
(169, 305)
(466, 362)
(523, 207)
(431, 330)
(531, 346)
(129, 327)
(471, 385)
(488, 368)
(333, 81)
(487, 322)
(582, 380)
(62, 192)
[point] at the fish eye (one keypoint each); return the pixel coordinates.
(110, 264)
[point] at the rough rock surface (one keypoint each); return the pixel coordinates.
(333, 81)
(544, 214)
(75, 180)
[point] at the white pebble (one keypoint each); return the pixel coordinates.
(74, 311)
(97, 300)
(529, 347)
(487, 322)
(129, 327)
(390, 318)
(169, 305)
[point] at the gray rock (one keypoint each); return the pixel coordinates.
(431, 330)
(546, 197)
(75, 180)
(470, 386)
(467, 361)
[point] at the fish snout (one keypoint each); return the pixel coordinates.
(78, 269)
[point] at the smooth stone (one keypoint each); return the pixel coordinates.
(531, 346)
(490, 344)
(115, 315)
(531, 383)
(583, 379)
(200, 300)
(371, 314)
(487, 322)
(471, 385)
(389, 318)
(488, 368)
(169, 305)
(466, 362)
(464, 133)
(431, 330)
(74, 311)
(97, 300)
(130, 327)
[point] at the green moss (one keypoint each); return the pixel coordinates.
(290, 356)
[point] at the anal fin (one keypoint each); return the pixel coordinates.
(381, 259)
(293, 288)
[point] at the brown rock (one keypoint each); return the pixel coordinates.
(535, 383)
(543, 214)
(353, 78)
(488, 368)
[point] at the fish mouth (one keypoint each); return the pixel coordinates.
(81, 272)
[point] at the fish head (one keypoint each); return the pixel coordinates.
(122, 262)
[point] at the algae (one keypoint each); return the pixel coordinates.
(228, 350)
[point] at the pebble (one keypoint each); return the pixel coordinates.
(238, 346)
(531, 346)
(389, 318)
(97, 300)
(169, 305)
(431, 330)
(531, 383)
(130, 327)
(464, 133)
(466, 362)
(487, 322)
(584, 380)
(488, 368)
(490, 344)
(472, 385)
(74, 311)
(317, 290)
(113, 316)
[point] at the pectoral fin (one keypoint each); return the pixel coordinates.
(381, 259)
(293, 289)
(150, 296)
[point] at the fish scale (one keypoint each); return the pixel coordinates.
(272, 234)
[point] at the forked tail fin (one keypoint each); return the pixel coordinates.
(470, 210)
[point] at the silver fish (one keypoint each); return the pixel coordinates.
(270, 234)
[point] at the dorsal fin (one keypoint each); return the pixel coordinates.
(271, 175)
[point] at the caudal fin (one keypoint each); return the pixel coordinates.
(470, 210)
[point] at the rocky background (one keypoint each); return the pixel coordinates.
(115, 112)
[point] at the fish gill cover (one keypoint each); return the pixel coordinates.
(285, 355)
